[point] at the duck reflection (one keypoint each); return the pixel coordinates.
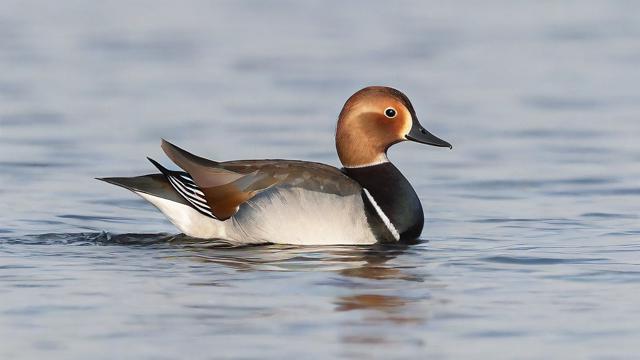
(359, 268)
(374, 264)
(369, 301)
(367, 262)
(376, 285)
(380, 306)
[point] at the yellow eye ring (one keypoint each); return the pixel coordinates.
(390, 112)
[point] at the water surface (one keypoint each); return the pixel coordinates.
(531, 246)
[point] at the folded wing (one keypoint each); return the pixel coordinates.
(211, 189)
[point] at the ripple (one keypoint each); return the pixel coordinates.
(523, 260)
(34, 164)
(567, 103)
(608, 276)
(31, 118)
(502, 184)
(93, 217)
(626, 191)
(496, 334)
(106, 239)
(88, 238)
(16, 266)
(157, 48)
(578, 134)
(31, 310)
(551, 221)
(600, 215)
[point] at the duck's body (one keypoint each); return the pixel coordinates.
(297, 202)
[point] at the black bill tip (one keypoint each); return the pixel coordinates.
(421, 135)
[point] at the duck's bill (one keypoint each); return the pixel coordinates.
(419, 134)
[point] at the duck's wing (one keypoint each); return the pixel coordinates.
(311, 176)
(183, 185)
(221, 187)
(210, 187)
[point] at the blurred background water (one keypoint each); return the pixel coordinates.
(531, 246)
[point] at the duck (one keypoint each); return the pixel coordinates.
(275, 201)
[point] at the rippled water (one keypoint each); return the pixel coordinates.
(531, 247)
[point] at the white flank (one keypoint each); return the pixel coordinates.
(297, 216)
(187, 219)
(284, 216)
(383, 216)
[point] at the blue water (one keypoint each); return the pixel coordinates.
(531, 247)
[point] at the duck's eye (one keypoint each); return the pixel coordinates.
(390, 112)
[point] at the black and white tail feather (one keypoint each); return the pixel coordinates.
(185, 186)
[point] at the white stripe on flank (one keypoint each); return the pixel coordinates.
(382, 215)
(186, 178)
(193, 188)
(188, 219)
(185, 192)
(200, 204)
(189, 184)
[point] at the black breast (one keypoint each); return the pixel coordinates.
(394, 195)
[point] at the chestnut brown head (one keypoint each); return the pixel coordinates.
(372, 120)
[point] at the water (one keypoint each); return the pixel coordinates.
(531, 247)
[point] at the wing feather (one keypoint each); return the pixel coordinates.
(205, 182)
(182, 183)
(194, 196)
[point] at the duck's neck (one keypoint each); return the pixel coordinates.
(392, 193)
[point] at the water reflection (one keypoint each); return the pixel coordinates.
(367, 262)
(369, 289)
(375, 266)
(534, 224)
(354, 265)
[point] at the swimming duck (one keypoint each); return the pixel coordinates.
(300, 202)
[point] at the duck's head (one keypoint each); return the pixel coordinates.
(372, 120)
